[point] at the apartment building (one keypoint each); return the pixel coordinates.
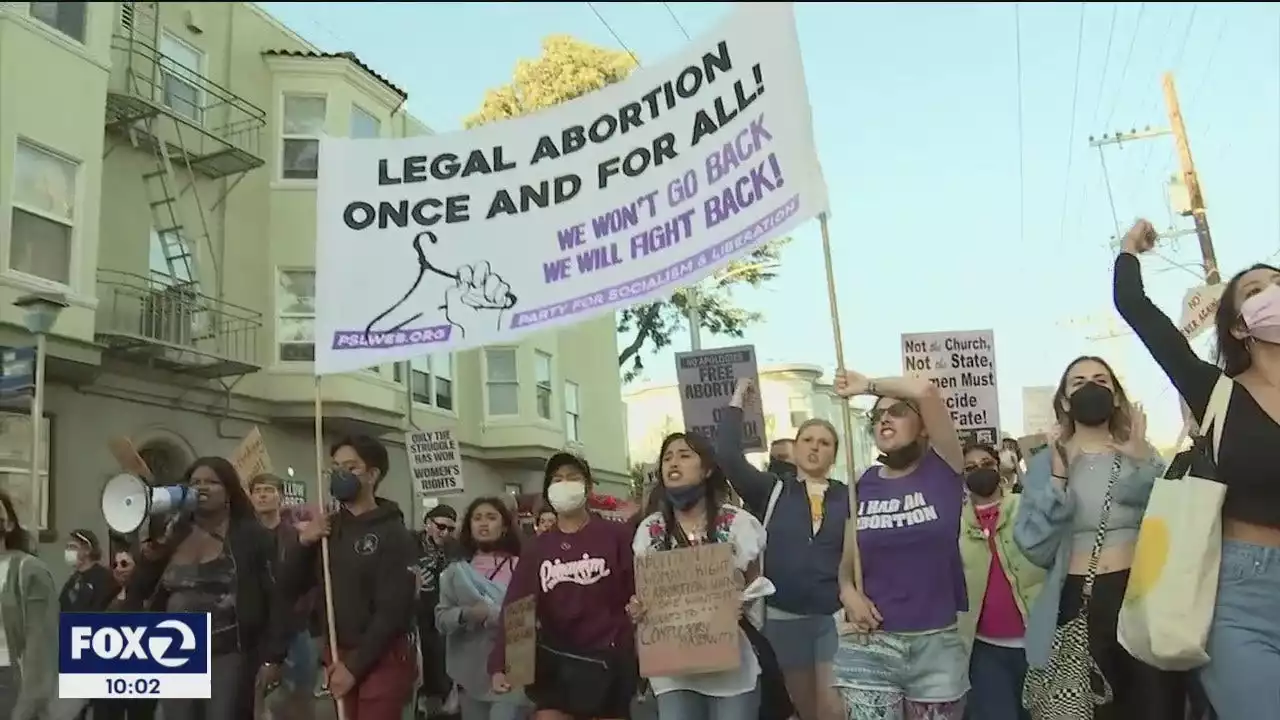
(790, 393)
(158, 167)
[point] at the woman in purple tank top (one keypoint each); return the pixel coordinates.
(901, 656)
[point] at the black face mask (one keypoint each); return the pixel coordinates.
(1092, 405)
(903, 457)
(983, 482)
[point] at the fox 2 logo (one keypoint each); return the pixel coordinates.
(127, 643)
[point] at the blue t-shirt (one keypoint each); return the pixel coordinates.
(908, 534)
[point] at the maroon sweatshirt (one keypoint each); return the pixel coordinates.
(583, 581)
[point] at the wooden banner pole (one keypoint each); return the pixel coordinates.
(851, 532)
(322, 492)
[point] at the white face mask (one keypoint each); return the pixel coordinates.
(71, 556)
(567, 496)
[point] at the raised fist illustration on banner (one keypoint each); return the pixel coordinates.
(474, 297)
(479, 297)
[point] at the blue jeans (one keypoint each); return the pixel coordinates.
(474, 709)
(995, 682)
(303, 663)
(689, 705)
(1242, 678)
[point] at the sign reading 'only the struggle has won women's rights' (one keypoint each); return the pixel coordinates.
(451, 241)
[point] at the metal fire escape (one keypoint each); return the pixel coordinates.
(198, 135)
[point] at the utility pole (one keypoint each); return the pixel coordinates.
(1191, 180)
(691, 301)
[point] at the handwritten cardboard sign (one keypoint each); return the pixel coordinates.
(519, 625)
(691, 606)
(127, 457)
(251, 459)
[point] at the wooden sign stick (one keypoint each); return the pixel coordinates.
(851, 530)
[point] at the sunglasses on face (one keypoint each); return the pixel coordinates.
(896, 410)
(444, 527)
(121, 565)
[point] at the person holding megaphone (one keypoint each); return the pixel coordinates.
(217, 559)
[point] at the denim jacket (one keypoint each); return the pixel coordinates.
(1042, 530)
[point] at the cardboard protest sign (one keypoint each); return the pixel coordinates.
(1198, 308)
(707, 379)
(127, 457)
(619, 196)
(250, 459)
(435, 463)
(1037, 409)
(963, 366)
(520, 627)
(691, 599)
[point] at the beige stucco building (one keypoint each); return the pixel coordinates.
(790, 394)
(158, 168)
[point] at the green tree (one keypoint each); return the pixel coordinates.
(568, 69)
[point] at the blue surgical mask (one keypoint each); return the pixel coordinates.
(344, 486)
(686, 496)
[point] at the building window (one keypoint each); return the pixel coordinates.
(300, 135)
(432, 380)
(67, 18)
(15, 466)
(180, 69)
(364, 126)
(572, 413)
(798, 411)
(169, 259)
(543, 366)
(44, 203)
(502, 382)
(296, 317)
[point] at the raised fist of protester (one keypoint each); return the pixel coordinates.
(1140, 238)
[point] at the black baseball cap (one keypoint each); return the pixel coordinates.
(87, 538)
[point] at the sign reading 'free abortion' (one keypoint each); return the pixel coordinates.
(444, 242)
(707, 379)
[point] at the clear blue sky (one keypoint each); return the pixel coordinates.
(916, 115)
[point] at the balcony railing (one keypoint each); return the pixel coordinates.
(175, 327)
(219, 131)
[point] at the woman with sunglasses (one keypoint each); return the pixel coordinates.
(122, 567)
(434, 548)
(905, 656)
(806, 528)
(1002, 586)
(1081, 508)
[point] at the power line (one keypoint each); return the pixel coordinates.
(616, 37)
(1124, 71)
(1071, 137)
(1106, 64)
(676, 20)
(1177, 61)
(1022, 148)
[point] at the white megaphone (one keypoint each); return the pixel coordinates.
(127, 502)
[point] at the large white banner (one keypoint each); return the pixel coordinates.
(452, 241)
